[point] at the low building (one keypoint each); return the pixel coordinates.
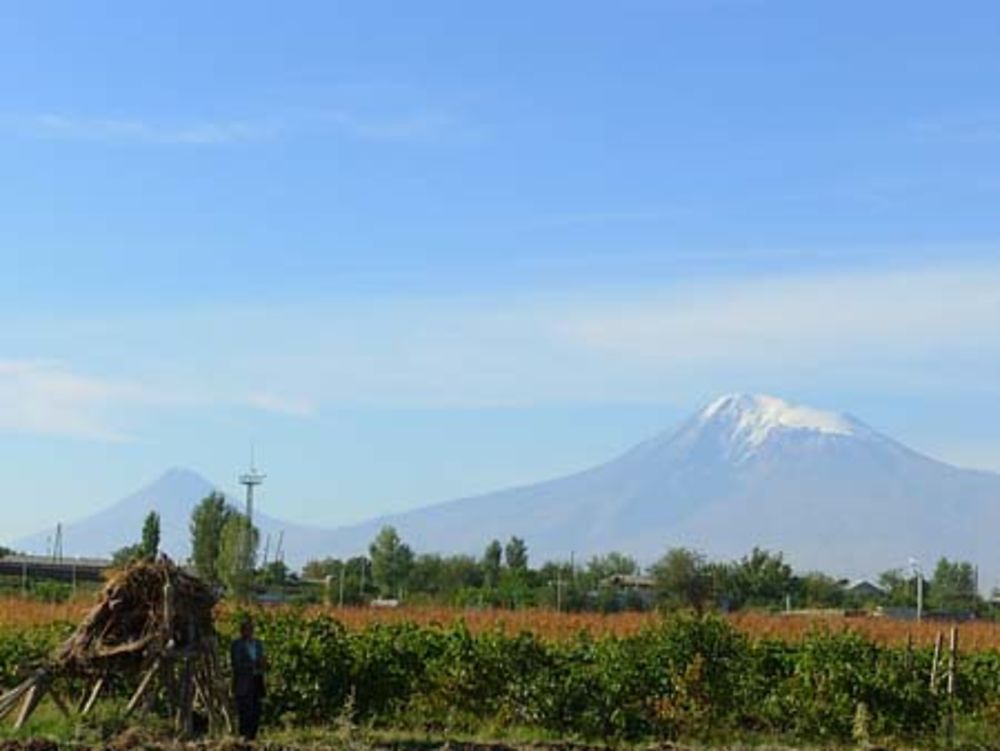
(862, 589)
(56, 569)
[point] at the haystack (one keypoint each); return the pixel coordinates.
(153, 630)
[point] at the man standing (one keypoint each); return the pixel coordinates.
(249, 663)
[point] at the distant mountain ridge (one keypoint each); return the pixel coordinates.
(823, 487)
(173, 496)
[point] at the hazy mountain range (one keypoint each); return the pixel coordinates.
(826, 489)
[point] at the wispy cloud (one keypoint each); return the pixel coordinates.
(832, 317)
(46, 398)
(400, 127)
(930, 331)
(281, 404)
(145, 131)
(42, 397)
(601, 217)
(409, 126)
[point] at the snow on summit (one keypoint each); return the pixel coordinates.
(752, 418)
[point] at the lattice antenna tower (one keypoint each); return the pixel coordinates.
(250, 480)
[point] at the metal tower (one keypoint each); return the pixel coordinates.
(250, 480)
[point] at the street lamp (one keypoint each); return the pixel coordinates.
(919, 573)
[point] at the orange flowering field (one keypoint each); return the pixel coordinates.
(974, 636)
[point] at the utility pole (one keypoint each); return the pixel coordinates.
(57, 545)
(920, 596)
(559, 583)
(919, 573)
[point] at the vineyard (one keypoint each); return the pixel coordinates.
(600, 678)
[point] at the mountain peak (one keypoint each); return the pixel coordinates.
(750, 419)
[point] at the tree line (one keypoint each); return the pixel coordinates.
(224, 552)
(680, 579)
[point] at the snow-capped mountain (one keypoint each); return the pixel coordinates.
(825, 488)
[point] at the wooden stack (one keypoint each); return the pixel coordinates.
(152, 628)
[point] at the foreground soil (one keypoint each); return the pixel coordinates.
(129, 741)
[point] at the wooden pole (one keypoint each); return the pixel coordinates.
(952, 657)
(10, 700)
(938, 638)
(144, 684)
(31, 700)
(185, 717)
(168, 612)
(92, 697)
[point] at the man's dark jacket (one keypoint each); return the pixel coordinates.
(248, 673)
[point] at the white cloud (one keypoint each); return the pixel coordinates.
(281, 404)
(824, 317)
(930, 331)
(143, 131)
(399, 127)
(48, 398)
(412, 126)
(45, 398)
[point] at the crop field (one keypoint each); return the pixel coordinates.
(597, 679)
(547, 624)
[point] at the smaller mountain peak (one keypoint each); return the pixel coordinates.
(180, 477)
(180, 472)
(751, 418)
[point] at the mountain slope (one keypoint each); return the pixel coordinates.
(825, 488)
(747, 470)
(173, 496)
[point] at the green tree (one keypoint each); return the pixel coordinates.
(612, 564)
(150, 544)
(207, 522)
(561, 587)
(515, 554)
(762, 578)
(682, 580)
(953, 588)
(492, 560)
(145, 548)
(392, 561)
(321, 568)
(274, 574)
(126, 555)
(237, 555)
(818, 590)
(330, 570)
(442, 577)
(901, 587)
(4, 552)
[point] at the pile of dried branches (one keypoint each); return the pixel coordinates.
(145, 608)
(152, 626)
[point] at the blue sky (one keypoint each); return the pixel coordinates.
(420, 250)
